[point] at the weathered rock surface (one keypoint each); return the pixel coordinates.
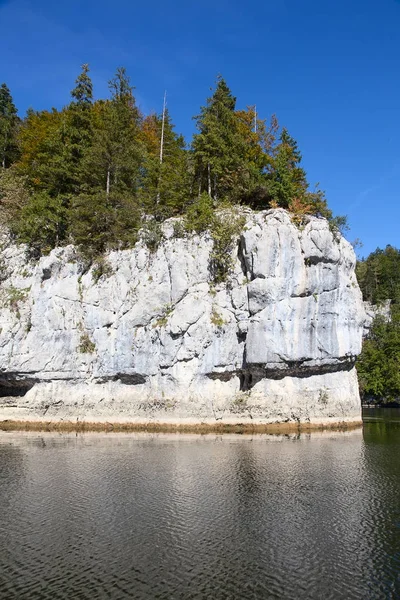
(155, 340)
(375, 310)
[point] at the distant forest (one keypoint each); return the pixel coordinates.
(379, 364)
(97, 171)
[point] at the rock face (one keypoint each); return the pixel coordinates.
(375, 310)
(153, 339)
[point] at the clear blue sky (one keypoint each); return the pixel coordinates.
(330, 70)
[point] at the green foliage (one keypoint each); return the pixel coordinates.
(12, 296)
(287, 180)
(338, 225)
(41, 222)
(226, 228)
(9, 122)
(224, 164)
(14, 195)
(86, 346)
(378, 367)
(98, 223)
(96, 172)
(101, 268)
(379, 275)
(163, 318)
(216, 318)
(83, 91)
(200, 214)
(152, 234)
(165, 184)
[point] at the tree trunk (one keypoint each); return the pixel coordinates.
(161, 148)
(209, 179)
(108, 183)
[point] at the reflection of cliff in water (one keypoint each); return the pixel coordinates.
(12, 467)
(201, 516)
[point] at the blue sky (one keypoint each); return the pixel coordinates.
(329, 70)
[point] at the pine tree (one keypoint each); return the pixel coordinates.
(78, 129)
(8, 127)
(111, 169)
(258, 151)
(218, 147)
(287, 180)
(112, 163)
(83, 91)
(165, 186)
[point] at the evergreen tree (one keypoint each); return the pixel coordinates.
(287, 180)
(111, 169)
(83, 90)
(258, 151)
(14, 194)
(378, 366)
(78, 130)
(42, 222)
(379, 275)
(165, 186)
(8, 128)
(218, 147)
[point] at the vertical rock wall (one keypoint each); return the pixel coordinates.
(154, 339)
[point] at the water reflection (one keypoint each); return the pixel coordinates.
(139, 516)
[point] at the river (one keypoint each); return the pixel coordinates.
(115, 516)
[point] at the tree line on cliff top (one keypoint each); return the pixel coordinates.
(96, 171)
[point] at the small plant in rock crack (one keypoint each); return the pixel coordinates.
(163, 318)
(323, 397)
(13, 296)
(216, 318)
(101, 267)
(240, 402)
(86, 346)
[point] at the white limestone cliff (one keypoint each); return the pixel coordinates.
(155, 340)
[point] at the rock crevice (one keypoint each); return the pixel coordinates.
(155, 332)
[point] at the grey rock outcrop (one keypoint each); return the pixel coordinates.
(155, 340)
(375, 310)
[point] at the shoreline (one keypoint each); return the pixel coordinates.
(183, 427)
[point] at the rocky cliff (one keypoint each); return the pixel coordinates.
(154, 339)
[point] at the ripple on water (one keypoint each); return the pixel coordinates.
(140, 516)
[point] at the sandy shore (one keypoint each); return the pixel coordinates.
(183, 427)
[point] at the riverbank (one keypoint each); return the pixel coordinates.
(182, 427)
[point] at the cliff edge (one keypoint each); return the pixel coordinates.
(152, 339)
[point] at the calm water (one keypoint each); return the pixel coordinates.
(163, 517)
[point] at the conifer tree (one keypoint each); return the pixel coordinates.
(218, 146)
(165, 187)
(107, 211)
(8, 127)
(258, 151)
(78, 130)
(287, 179)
